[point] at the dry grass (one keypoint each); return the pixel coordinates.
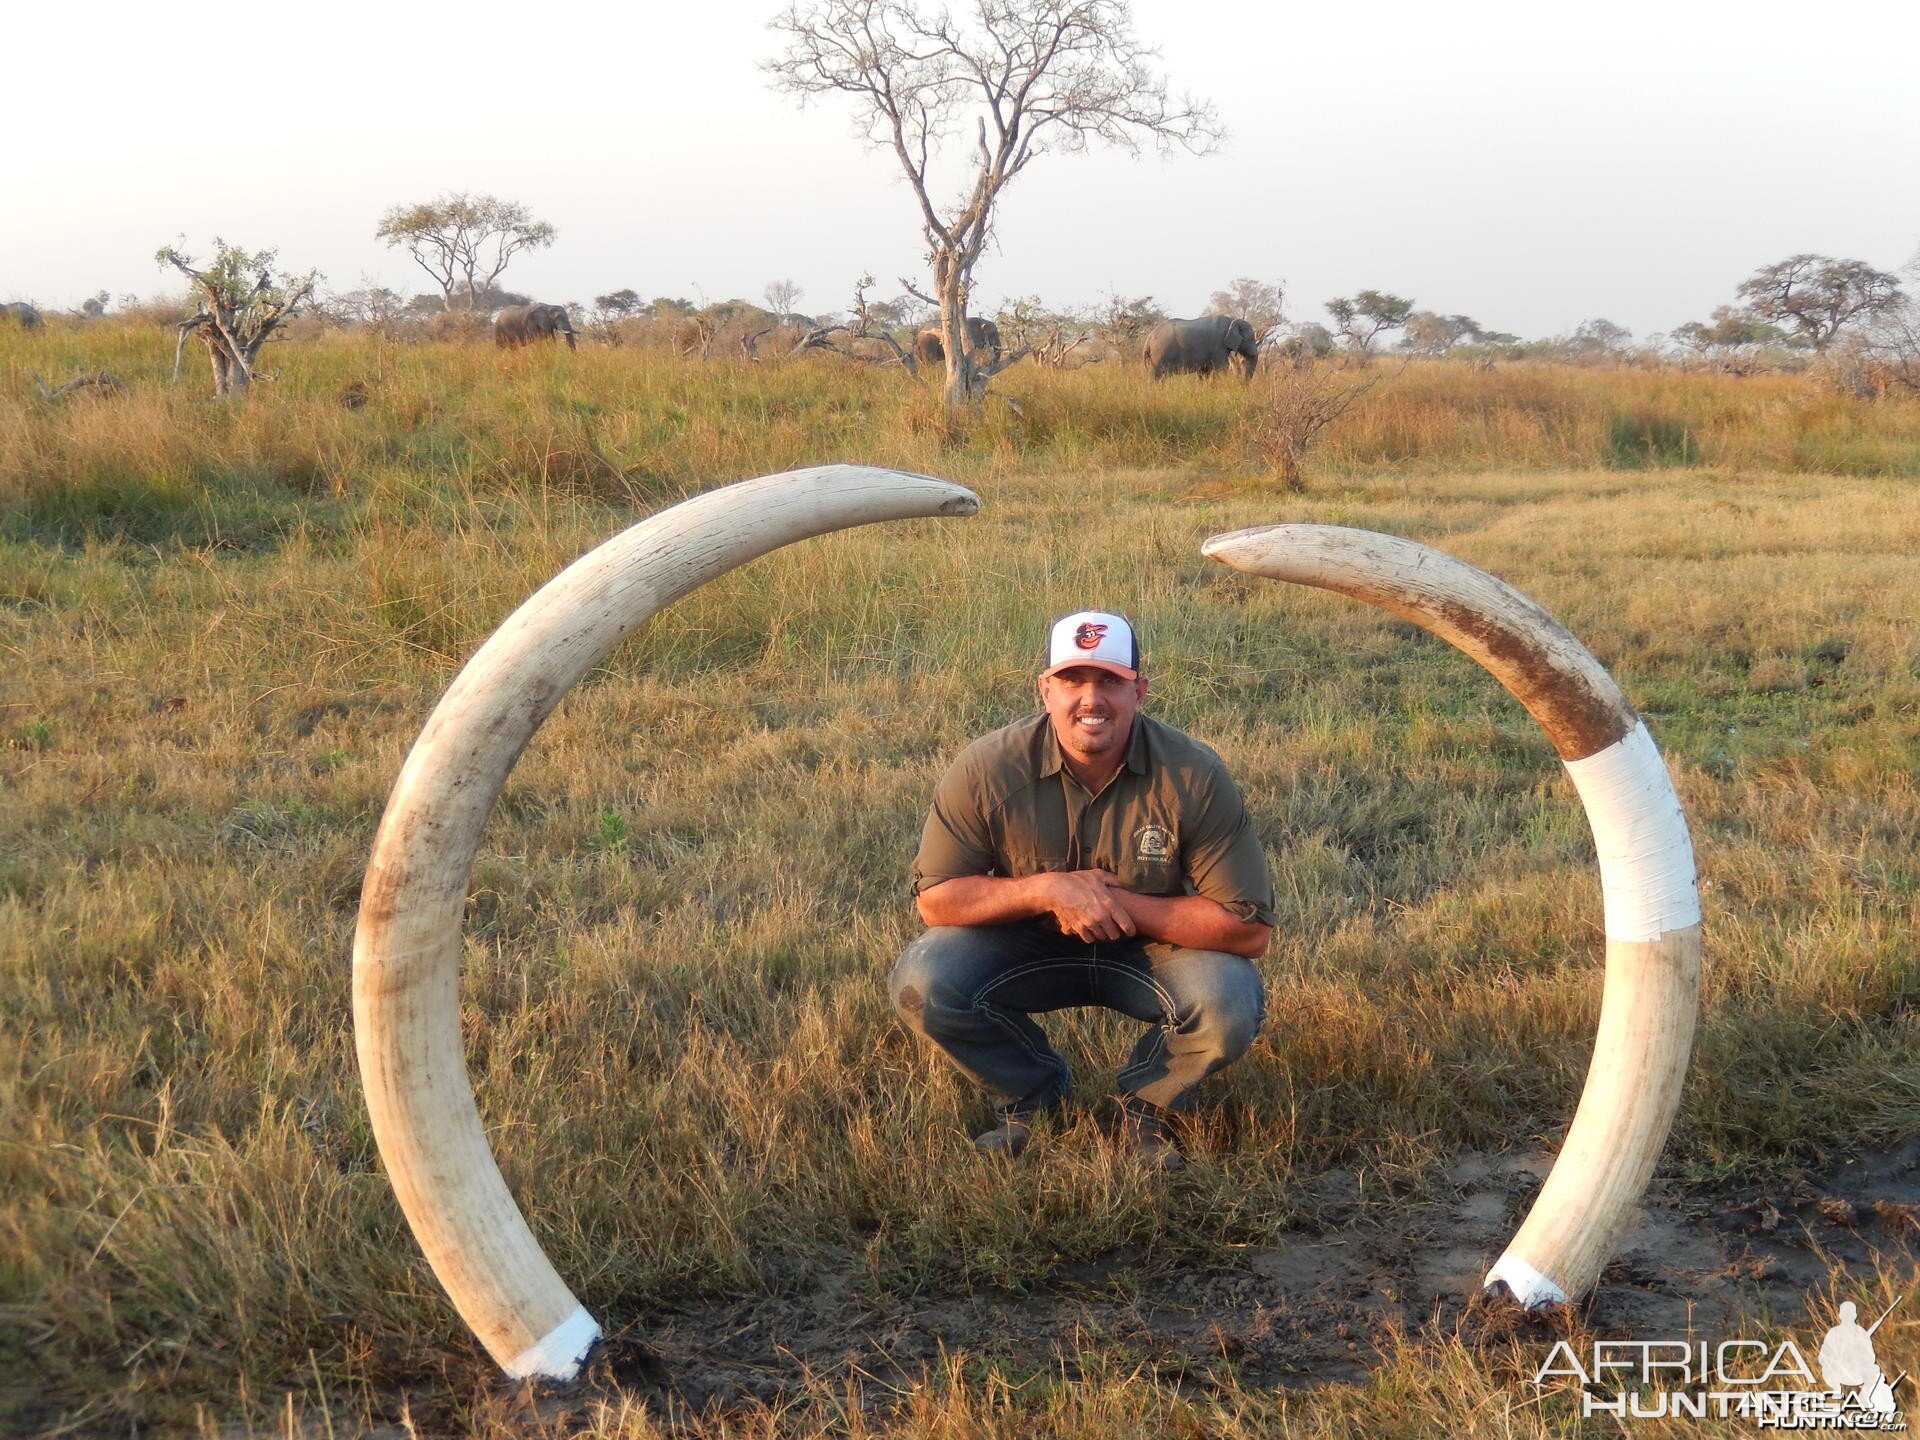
(222, 628)
(465, 424)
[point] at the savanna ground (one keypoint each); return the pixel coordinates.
(222, 628)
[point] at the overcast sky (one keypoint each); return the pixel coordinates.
(1528, 164)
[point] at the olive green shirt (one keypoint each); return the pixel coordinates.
(1169, 822)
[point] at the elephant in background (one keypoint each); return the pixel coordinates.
(22, 314)
(1200, 347)
(517, 325)
(928, 348)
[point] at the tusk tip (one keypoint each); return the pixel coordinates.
(958, 500)
(1230, 546)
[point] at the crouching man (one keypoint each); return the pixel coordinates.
(1088, 855)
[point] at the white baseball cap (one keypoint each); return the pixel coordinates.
(1093, 637)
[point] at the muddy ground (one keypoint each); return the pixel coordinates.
(1314, 1306)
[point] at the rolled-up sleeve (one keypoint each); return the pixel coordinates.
(956, 839)
(1225, 861)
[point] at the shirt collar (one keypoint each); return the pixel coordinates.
(1052, 762)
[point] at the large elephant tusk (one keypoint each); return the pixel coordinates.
(406, 954)
(1652, 904)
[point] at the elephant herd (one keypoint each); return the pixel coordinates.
(1173, 347)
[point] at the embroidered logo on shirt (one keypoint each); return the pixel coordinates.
(1153, 842)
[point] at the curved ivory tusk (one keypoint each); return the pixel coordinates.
(406, 954)
(1652, 903)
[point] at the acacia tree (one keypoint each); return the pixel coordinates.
(1430, 333)
(1364, 317)
(1730, 338)
(241, 305)
(1020, 77)
(1819, 296)
(1599, 337)
(463, 241)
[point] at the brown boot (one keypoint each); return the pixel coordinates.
(1148, 1139)
(1007, 1139)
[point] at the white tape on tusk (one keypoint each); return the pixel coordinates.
(558, 1353)
(1640, 835)
(1529, 1286)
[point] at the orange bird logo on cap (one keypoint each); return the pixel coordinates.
(1088, 636)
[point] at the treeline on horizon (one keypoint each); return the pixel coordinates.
(1789, 315)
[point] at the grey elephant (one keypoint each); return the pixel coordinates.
(1200, 347)
(517, 325)
(22, 314)
(928, 348)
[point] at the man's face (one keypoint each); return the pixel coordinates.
(1092, 711)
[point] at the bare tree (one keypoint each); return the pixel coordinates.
(464, 241)
(1818, 296)
(1363, 318)
(1019, 77)
(1051, 335)
(1304, 401)
(870, 320)
(1255, 301)
(878, 319)
(782, 297)
(241, 305)
(373, 305)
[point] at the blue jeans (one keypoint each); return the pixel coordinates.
(973, 990)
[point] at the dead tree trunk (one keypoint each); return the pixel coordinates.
(968, 369)
(240, 308)
(965, 385)
(864, 328)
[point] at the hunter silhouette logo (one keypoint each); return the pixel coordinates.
(1847, 1362)
(1089, 636)
(1768, 1383)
